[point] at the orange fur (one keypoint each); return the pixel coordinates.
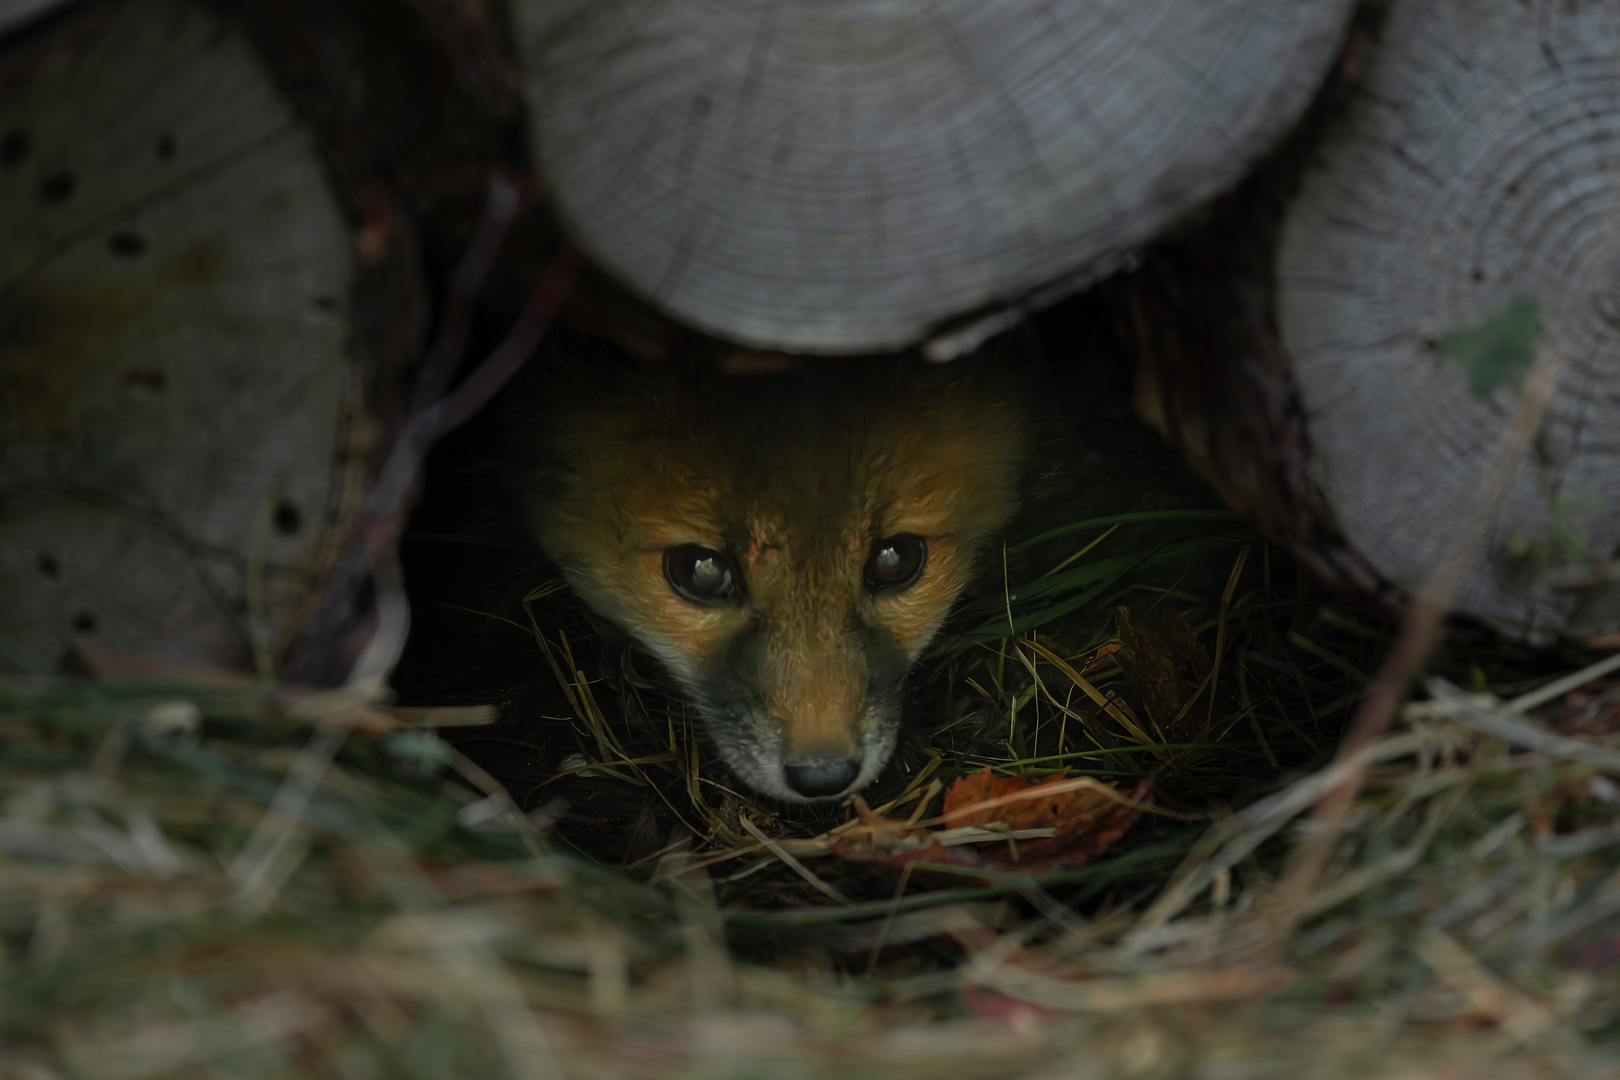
(795, 474)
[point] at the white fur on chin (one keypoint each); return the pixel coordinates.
(759, 765)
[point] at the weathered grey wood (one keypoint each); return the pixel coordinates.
(1479, 164)
(844, 175)
(15, 13)
(178, 384)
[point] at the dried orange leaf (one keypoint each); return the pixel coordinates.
(1085, 817)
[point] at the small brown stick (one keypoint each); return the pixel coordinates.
(1420, 633)
(506, 200)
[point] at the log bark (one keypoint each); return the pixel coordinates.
(1341, 352)
(17, 13)
(851, 175)
(193, 334)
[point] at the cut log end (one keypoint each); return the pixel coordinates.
(846, 176)
(184, 431)
(1463, 224)
(1456, 223)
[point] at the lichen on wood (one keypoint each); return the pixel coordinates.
(1459, 221)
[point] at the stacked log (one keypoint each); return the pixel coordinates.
(826, 176)
(195, 331)
(196, 324)
(1345, 351)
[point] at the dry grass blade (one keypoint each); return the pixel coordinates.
(1559, 687)
(1238, 837)
(1125, 994)
(1220, 632)
(1486, 715)
(1118, 710)
(793, 864)
(267, 861)
(463, 952)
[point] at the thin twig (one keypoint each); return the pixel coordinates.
(378, 523)
(1420, 633)
(505, 202)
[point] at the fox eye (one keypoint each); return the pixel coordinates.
(700, 574)
(895, 562)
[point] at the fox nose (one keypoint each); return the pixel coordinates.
(820, 777)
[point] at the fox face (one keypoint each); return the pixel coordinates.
(786, 544)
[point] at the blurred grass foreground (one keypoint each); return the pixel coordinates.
(228, 879)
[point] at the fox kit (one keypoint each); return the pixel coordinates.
(786, 543)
